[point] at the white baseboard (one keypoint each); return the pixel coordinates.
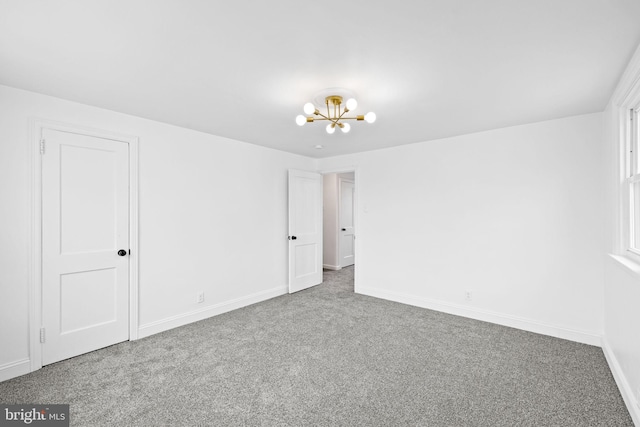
(331, 267)
(486, 316)
(15, 369)
(621, 380)
(206, 312)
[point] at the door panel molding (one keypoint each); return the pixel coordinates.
(305, 229)
(36, 129)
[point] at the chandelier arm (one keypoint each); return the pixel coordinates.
(343, 113)
(327, 119)
(348, 118)
(331, 119)
(336, 120)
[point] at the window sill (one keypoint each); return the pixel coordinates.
(630, 265)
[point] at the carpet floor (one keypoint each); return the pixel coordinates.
(328, 357)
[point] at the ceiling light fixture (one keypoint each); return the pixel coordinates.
(335, 114)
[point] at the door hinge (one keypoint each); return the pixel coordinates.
(42, 146)
(42, 335)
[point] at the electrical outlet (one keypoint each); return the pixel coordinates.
(467, 295)
(200, 297)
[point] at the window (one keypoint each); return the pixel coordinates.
(623, 119)
(633, 182)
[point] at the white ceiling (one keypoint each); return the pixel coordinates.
(243, 69)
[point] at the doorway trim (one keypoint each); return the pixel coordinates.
(356, 215)
(36, 127)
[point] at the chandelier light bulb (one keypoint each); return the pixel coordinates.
(345, 128)
(301, 120)
(309, 108)
(351, 104)
(330, 129)
(370, 117)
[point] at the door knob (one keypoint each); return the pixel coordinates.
(122, 252)
(293, 238)
(344, 229)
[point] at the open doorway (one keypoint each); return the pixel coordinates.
(323, 221)
(339, 222)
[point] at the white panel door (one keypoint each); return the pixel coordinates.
(347, 236)
(305, 230)
(85, 222)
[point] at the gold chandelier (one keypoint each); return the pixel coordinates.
(335, 114)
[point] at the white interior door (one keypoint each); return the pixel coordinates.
(85, 222)
(305, 230)
(347, 236)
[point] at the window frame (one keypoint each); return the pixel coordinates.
(630, 133)
(628, 129)
(626, 160)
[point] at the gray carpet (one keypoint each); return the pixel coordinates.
(329, 357)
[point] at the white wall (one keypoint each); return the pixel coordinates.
(515, 216)
(621, 331)
(213, 218)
